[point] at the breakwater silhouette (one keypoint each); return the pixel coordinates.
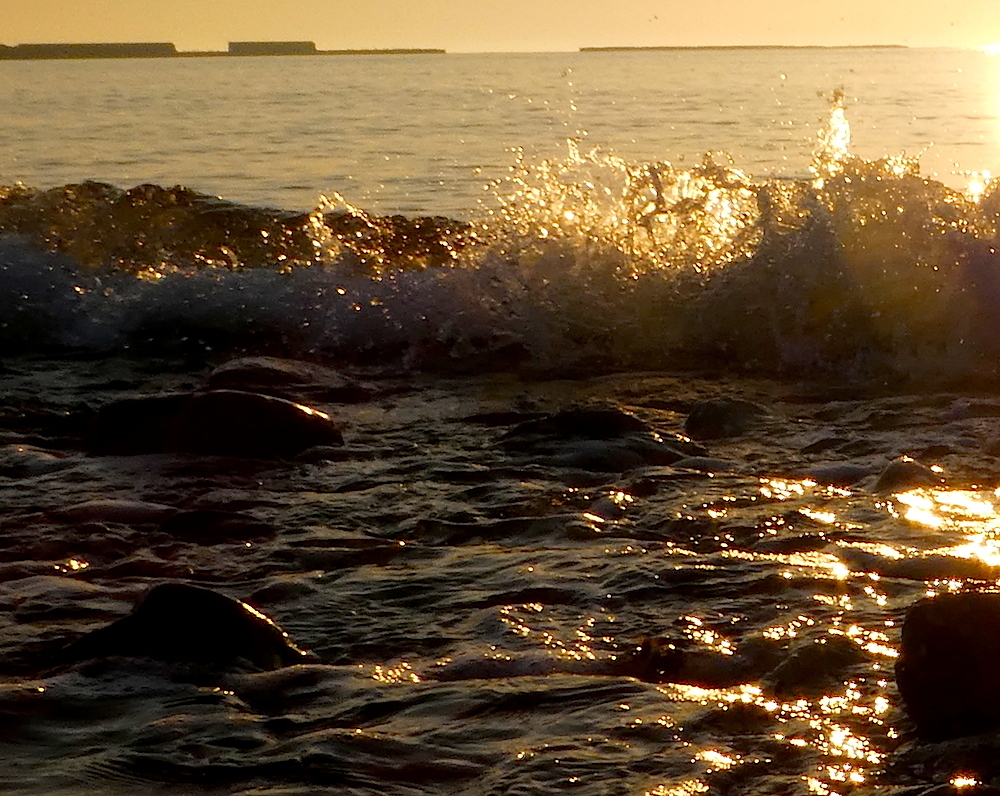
(29, 52)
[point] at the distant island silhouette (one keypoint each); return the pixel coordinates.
(681, 47)
(30, 52)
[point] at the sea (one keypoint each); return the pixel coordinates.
(667, 382)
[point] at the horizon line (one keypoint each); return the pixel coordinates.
(10, 52)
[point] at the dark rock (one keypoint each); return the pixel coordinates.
(823, 444)
(977, 758)
(992, 447)
(905, 473)
(947, 672)
(721, 418)
(318, 454)
(815, 668)
(842, 474)
(705, 464)
(596, 438)
(287, 378)
(221, 422)
(234, 423)
(114, 510)
(25, 461)
(188, 624)
(598, 422)
(610, 456)
(664, 660)
(209, 526)
(134, 425)
(859, 447)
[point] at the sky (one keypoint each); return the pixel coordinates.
(504, 25)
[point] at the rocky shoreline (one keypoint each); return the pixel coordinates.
(108, 524)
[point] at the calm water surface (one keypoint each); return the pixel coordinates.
(425, 134)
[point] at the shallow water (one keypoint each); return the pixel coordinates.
(497, 609)
(477, 610)
(426, 134)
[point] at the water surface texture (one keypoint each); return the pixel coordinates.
(424, 134)
(646, 451)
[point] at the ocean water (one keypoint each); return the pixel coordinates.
(424, 135)
(471, 263)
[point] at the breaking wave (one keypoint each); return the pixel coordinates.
(861, 269)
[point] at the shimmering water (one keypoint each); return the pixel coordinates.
(495, 608)
(424, 134)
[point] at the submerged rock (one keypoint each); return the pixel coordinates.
(287, 378)
(905, 473)
(947, 670)
(838, 473)
(115, 510)
(235, 423)
(220, 422)
(598, 438)
(581, 422)
(189, 624)
(721, 418)
(210, 526)
(24, 461)
(706, 464)
(815, 667)
(134, 425)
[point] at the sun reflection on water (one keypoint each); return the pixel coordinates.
(839, 728)
(969, 513)
(686, 788)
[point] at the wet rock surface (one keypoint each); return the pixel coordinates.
(217, 422)
(180, 623)
(288, 378)
(947, 670)
(472, 587)
(721, 418)
(596, 438)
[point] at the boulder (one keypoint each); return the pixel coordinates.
(180, 623)
(904, 473)
(947, 671)
(220, 422)
(838, 473)
(235, 423)
(595, 438)
(211, 526)
(114, 510)
(288, 378)
(721, 418)
(134, 425)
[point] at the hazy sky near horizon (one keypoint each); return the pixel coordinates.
(504, 25)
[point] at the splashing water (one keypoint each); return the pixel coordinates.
(864, 268)
(833, 144)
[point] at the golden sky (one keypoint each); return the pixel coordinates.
(505, 25)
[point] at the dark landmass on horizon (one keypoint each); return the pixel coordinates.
(751, 47)
(77, 51)
(74, 51)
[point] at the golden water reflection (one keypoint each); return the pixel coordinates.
(839, 728)
(972, 514)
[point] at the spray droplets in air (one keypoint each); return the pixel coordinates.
(833, 145)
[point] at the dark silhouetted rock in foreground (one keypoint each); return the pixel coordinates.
(903, 474)
(596, 438)
(188, 624)
(234, 423)
(219, 422)
(288, 378)
(721, 418)
(948, 672)
(134, 425)
(210, 526)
